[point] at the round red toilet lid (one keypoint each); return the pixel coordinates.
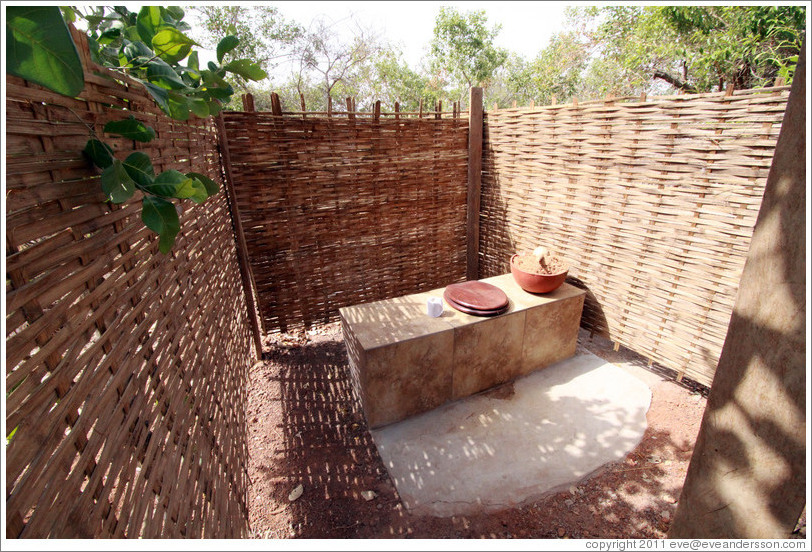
(476, 295)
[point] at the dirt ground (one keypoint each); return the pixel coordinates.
(316, 473)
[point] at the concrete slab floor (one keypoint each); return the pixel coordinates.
(536, 435)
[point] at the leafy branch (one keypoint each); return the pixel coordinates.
(148, 47)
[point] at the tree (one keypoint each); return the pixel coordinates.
(331, 64)
(392, 80)
(463, 49)
(148, 47)
(264, 35)
(555, 71)
(691, 48)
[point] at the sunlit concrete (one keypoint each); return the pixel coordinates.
(543, 432)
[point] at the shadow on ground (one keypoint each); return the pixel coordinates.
(307, 429)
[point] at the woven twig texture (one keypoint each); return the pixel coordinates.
(339, 211)
(652, 202)
(125, 369)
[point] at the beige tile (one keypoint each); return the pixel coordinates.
(393, 320)
(487, 354)
(407, 378)
(551, 332)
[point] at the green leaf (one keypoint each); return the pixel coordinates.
(161, 73)
(193, 189)
(221, 93)
(160, 95)
(160, 216)
(170, 183)
(193, 63)
(100, 153)
(39, 49)
(139, 167)
(130, 128)
(110, 36)
(149, 19)
(214, 107)
(132, 34)
(176, 12)
(199, 107)
(116, 183)
(137, 49)
(69, 14)
(178, 106)
(225, 46)
(172, 45)
(211, 186)
(246, 69)
(200, 194)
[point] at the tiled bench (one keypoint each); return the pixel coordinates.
(404, 362)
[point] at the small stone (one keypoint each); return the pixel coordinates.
(296, 493)
(368, 495)
(561, 532)
(666, 515)
(572, 490)
(568, 502)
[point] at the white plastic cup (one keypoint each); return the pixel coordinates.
(434, 306)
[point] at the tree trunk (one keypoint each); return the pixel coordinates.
(674, 81)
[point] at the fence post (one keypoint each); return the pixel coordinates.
(276, 104)
(242, 248)
(474, 181)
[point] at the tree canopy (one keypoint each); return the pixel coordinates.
(619, 50)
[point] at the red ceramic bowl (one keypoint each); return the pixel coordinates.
(536, 283)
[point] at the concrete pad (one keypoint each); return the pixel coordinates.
(540, 433)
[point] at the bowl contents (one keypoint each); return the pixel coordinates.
(540, 262)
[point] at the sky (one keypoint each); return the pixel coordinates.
(526, 25)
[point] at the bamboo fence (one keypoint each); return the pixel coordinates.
(343, 209)
(125, 369)
(652, 202)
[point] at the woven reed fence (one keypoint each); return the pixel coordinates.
(125, 369)
(653, 203)
(346, 209)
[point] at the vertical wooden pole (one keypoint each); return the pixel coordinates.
(747, 476)
(304, 108)
(246, 275)
(329, 106)
(350, 113)
(397, 111)
(376, 113)
(276, 104)
(474, 181)
(248, 102)
(420, 114)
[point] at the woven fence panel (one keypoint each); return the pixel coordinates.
(339, 211)
(652, 202)
(125, 368)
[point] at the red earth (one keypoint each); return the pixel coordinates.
(315, 471)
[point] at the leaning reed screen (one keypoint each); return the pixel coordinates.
(653, 203)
